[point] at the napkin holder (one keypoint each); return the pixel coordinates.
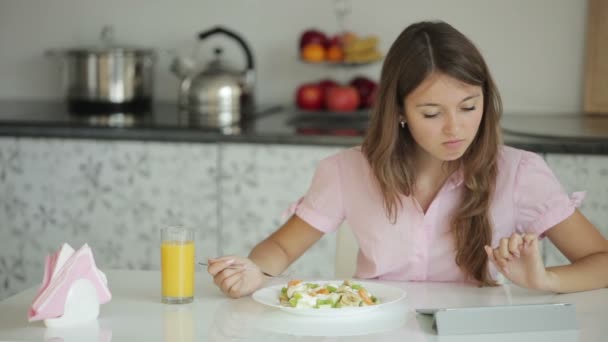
(81, 305)
(502, 318)
(72, 289)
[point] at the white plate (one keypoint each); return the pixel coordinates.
(386, 294)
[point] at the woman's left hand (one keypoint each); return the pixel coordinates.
(518, 258)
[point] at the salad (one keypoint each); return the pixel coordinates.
(301, 295)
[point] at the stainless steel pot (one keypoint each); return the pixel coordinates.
(107, 78)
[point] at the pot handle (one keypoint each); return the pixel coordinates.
(205, 34)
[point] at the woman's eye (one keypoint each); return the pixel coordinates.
(430, 115)
(468, 109)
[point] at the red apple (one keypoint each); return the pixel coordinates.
(334, 40)
(309, 96)
(342, 99)
(311, 36)
(342, 39)
(325, 85)
(366, 88)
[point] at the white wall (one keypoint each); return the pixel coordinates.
(534, 47)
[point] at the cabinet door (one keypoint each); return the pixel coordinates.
(582, 173)
(113, 195)
(596, 58)
(258, 183)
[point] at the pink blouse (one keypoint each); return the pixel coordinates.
(419, 246)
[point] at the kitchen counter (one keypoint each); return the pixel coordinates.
(576, 133)
(136, 313)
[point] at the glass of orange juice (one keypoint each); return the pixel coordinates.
(177, 265)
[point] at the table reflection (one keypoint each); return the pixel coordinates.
(178, 323)
(245, 319)
(90, 331)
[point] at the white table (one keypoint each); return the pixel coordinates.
(136, 314)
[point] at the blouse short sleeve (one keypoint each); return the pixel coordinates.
(322, 205)
(540, 200)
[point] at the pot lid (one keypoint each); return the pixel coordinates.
(119, 50)
(107, 46)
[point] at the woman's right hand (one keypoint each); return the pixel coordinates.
(235, 276)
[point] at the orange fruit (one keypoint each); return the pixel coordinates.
(313, 52)
(348, 38)
(335, 53)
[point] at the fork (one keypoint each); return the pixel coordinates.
(241, 266)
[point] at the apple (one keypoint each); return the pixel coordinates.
(309, 96)
(342, 39)
(342, 99)
(313, 36)
(325, 84)
(366, 88)
(334, 40)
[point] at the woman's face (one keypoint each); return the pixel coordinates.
(443, 115)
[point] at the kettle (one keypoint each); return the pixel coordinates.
(217, 95)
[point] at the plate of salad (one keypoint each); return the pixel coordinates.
(328, 297)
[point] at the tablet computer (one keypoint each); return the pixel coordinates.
(502, 318)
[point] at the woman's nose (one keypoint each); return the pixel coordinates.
(450, 125)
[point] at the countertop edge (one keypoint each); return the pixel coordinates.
(539, 145)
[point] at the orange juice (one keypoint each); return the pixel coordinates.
(177, 269)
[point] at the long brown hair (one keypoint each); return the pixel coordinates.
(421, 49)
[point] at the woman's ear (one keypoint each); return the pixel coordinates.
(402, 121)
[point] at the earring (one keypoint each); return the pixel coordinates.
(402, 123)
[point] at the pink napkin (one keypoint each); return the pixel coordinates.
(61, 270)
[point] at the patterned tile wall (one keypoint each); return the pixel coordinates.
(582, 173)
(258, 184)
(113, 195)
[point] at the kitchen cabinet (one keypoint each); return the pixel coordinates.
(258, 183)
(116, 195)
(581, 173)
(596, 67)
(113, 195)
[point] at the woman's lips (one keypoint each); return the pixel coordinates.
(454, 144)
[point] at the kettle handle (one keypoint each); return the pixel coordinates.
(205, 34)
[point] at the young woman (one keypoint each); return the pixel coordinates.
(432, 194)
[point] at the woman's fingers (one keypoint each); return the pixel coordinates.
(530, 244)
(231, 274)
(234, 290)
(231, 280)
(218, 265)
(515, 244)
(503, 250)
(500, 262)
(492, 253)
(219, 278)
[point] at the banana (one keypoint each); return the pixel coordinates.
(368, 56)
(362, 50)
(358, 45)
